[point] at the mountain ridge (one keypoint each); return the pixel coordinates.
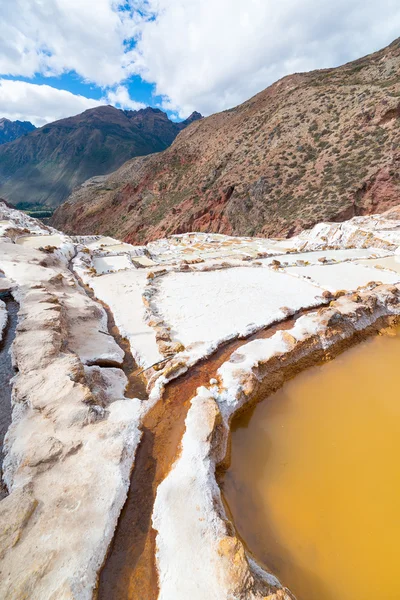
(311, 147)
(44, 166)
(12, 130)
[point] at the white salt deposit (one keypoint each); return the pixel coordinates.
(109, 264)
(41, 241)
(330, 255)
(122, 292)
(390, 262)
(206, 306)
(3, 318)
(344, 276)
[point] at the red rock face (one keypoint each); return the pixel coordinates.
(317, 146)
(379, 193)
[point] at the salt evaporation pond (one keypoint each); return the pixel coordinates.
(314, 482)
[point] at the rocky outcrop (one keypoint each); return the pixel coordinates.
(318, 146)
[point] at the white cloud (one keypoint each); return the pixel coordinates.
(209, 55)
(56, 36)
(204, 55)
(39, 104)
(121, 99)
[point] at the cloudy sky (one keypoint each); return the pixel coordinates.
(60, 57)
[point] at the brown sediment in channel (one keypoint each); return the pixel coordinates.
(129, 572)
(136, 387)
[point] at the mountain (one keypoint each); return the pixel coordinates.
(11, 130)
(43, 167)
(312, 147)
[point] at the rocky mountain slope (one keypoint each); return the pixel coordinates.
(43, 167)
(314, 146)
(11, 130)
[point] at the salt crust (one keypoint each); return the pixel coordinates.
(343, 276)
(72, 442)
(217, 305)
(122, 292)
(188, 511)
(106, 264)
(390, 262)
(3, 318)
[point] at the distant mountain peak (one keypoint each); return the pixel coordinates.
(195, 116)
(12, 130)
(44, 166)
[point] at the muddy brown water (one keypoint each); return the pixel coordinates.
(314, 481)
(6, 374)
(129, 572)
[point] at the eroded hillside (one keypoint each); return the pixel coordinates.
(43, 167)
(316, 146)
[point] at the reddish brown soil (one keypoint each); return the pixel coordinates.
(318, 146)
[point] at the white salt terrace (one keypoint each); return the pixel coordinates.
(390, 262)
(38, 241)
(204, 307)
(107, 264)
(208, 246)
(104, 242)
(122, 292)
(198, 306)
(317, 256)
(108, 244)
(342, 276)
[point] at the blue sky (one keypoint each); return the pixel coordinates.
(138, 89)
(73, 83)
(60, 57)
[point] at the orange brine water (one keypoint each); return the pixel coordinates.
(314, 481)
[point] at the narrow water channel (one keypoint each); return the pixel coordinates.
(6, 373)
(314, 482)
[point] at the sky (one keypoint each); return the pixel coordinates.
(61, 57)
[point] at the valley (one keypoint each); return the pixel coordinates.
(39, 170)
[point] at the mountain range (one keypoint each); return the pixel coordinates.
(317, 146)
(11, 130)
(42, 168)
